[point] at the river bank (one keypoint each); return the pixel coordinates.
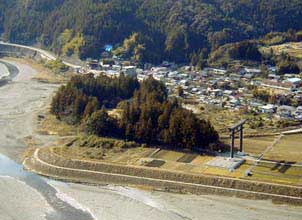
(48, 163)
(25, 195)
(7, 72)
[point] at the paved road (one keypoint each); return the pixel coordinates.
(46, 54)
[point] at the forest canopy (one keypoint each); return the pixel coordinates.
(164, 29)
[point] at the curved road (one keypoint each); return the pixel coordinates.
(25, 196)
(45, 54)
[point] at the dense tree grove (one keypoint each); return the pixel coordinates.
(148, 116)
(83, 95)
(101, 124)
(164, 29)
(152, 118)
(245, 50)
(286, 65)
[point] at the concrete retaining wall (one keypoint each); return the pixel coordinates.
(161, 179)
(17, 50)
(14, 51)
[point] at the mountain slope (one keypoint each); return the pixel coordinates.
(170, 29)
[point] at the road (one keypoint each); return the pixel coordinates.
(46, 54)
(26, 196)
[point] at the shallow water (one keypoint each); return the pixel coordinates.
(19, 101)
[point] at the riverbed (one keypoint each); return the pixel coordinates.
(26, 196)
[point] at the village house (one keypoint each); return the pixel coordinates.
(215, 71)
(93, 65)
(268, 109)
(298, 113)
(285, 111)
(129, 71)
(294, 83)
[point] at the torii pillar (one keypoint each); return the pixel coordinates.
(237, 129)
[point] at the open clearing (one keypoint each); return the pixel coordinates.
(292, 49)
(289, 149)
(282, 164)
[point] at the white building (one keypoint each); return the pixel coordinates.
(268, 109)
(130, 70)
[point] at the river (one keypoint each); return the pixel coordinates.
(26, 196)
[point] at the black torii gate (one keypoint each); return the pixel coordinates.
(238, 128)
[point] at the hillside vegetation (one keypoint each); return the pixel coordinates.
(165, 29)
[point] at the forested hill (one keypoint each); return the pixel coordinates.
(167, 29)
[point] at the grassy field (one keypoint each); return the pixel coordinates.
(256, 145)
(168, 155)
(49, 124)
(283, 163)
(289, 149)
(279, 173)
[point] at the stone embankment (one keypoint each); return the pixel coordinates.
(47, 163)
(22, 51)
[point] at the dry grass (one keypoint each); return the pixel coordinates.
(281, 165)
(94, 148)
(116, 113)
(222, 119)
(239, 173)
(202, 160)
(292, 49)
(267, 172)
(52, 126)
(155, 163)
(168, 155)
(255, 146)
(44, 74)
(281, 179)
(187, 158)
(289, 149)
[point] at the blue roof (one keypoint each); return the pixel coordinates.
(108, 47)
